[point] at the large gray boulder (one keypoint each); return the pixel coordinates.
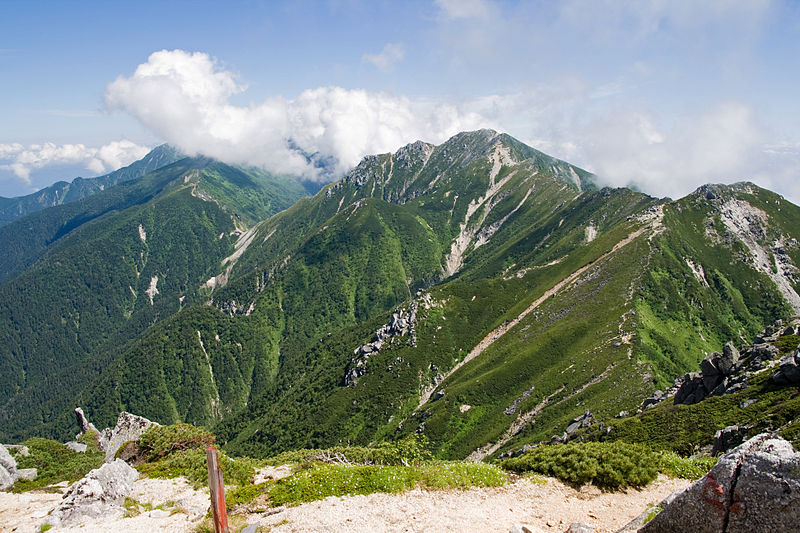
(767, 492)
(754, 488)
(7, 462)
(101, 492)
(6, 479)
(129, 428)
(8, 469)
(789, 372)
(691, 389)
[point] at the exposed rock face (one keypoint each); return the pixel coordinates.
(100, 493)
(400, 324)
(754, 488)
(6, 461)
(129, 428)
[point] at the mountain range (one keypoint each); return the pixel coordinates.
(479, 292)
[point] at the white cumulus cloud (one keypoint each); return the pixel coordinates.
(184, 98)
(22, 160)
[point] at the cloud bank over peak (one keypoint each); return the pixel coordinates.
(184, 98)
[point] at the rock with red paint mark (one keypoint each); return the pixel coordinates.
(767, 493)
(754, 488)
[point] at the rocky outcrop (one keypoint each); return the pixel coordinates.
(83, 423)
(581, 421)
(101, 492)
(129, 428)
(728, 372)
(715, 377)
(9, 473)
(754, 488)
(400, 324)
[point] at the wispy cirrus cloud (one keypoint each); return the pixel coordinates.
(391, 54)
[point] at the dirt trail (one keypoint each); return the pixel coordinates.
(549, 506)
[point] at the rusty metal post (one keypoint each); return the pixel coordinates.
(215, 485)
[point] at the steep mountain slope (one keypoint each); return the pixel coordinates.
(105, 268)
(479, 292)
(63, 192)
(324, 265)
(584, 303)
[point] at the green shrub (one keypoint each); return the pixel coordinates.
(192, 465)
(160, 441)
(674, 465)
(411, 450)
(55, 462)
(607, 465)
(180, 450)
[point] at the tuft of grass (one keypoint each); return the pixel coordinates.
(131, 507)
(652, 514)
(607, 465)
(319, 481)
(672, 464)
(787, 343)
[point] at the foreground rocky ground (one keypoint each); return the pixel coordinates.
(541, 504)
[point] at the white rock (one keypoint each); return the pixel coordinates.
(100, 493)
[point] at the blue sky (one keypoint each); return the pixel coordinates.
(665, 95)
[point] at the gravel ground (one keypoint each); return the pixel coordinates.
(546, 506)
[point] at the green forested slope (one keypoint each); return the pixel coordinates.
(111, 265)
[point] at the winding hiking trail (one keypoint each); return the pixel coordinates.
(504, 328)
